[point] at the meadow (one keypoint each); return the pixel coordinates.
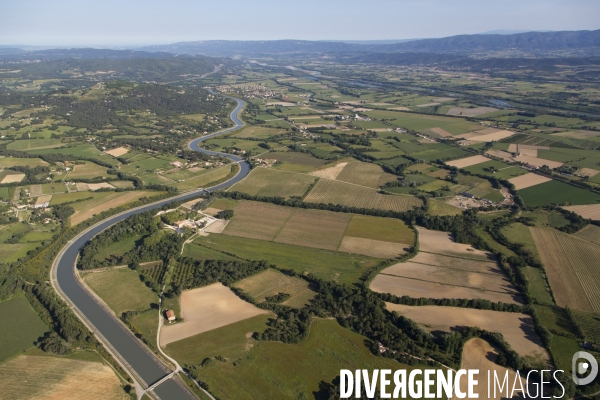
(559, 193)
(272, 183)
(21, 326)
(271, 282)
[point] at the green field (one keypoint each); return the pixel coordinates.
(503, 170)
(264, 372)
(559, 193)
(385, 229)
(271, 282)
(229, 341)
(121, 289)
(538, 288)
(198, 252)
(117, 249)
(20, 327)
(6, 162)
(325, 264)
(519, 233)
(272, 183)
(436, 207)
(33, 144)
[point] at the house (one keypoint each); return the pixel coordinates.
(183, 224)
(468, 195)
(177, 164)
(170, 315)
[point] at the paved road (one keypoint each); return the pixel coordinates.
(145, 367)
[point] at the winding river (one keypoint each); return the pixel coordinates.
(125, 347)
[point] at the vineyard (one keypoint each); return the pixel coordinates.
(271, 183)
(365, 174)
(585, 260)
(591, 233)
(155, 272)
(327, 191)
(182, 273)
(589, 325)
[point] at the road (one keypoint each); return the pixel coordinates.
(144, 366)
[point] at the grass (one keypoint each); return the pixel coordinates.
(20, 327)
(385, 229)
(271, 282)
(198, 252)
(504, 171)
(121, 289)
(209, 178)
(538, 288)
(117, 249)
(295, 162)
(31, 144)
(519, 233)
(223, 204)
(264, 372)
(270, 182)
(420, 122)
(559, 193)
(439, 208)
(87, 171)
(325, 264)
(229, 341)
(563, 349)
(6, 162)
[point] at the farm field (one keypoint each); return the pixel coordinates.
(371, 236)
(121, 289)
(559, 193)
(6, 162)
(104, 201)
(467, 162)
(325, 264)
(295, 162)
(272, 282)
(365, 174)
(87, 170)
(330, 172)
(207, 179)
(327, 349)
(207, 308)
(591, 211)
(21, 326)
(270, 182)
(591, 233)
(528, 180)
(328, 191)
(436, 207)
(439, 242)
(517, 329)
(478, 354)
(44, 377)
(501, 169)
(573, 284)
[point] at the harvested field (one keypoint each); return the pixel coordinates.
(470, 112)
(331, 172)
(82, 187)
(35, 190)
(379, 228)
(257, 220)
(439, 132)
(591, 233)
(517, 329)
(272, 282)
(492, 282)
(478, 354)
(490, 137)
(111, 201)
(428, 105)
(566, 287)
(205, 309)
(538, 162)
(119, 151)
(528, 180)
(490, 267)
(591, 211)
(431, 290)
(271, 182)
(103, 185)
(43, 199)
(314, 228)
(328, 191)
(589, 172)
(216, 227)
(50, 378)
(88, 170)
(467, 162)
(13, 178)
(442, 243)
(500, 154)
(371, 247)
(365, 174)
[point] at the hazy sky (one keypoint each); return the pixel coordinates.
(141, 22)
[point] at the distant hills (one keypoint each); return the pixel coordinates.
(529, 42)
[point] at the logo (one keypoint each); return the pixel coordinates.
(580, 367)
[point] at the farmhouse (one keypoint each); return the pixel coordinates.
(183, 224)
(177, 164)
(170, 315)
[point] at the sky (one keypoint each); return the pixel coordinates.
(130, 23)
